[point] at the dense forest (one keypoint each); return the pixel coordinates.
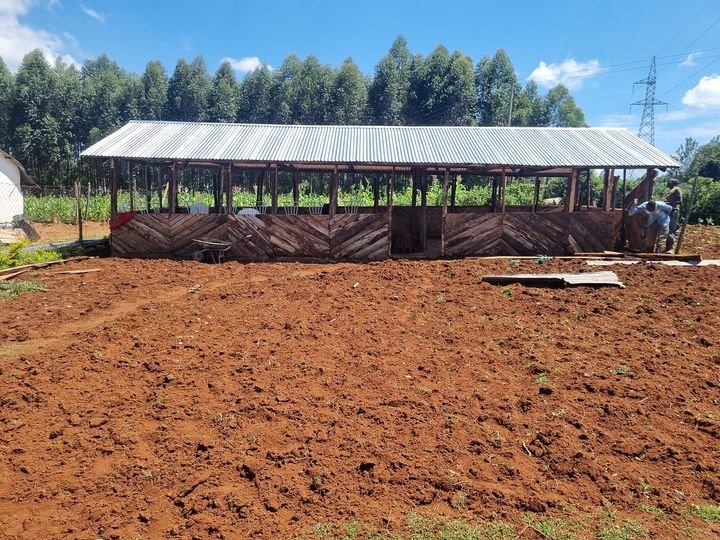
(49, 113)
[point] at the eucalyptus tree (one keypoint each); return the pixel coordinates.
(562, 111)
(7, 82)
(388, 92)
(104, 88)
(154, 81)
(256, 97)
(224, 96)
(188, 91)
(497, 88)
(349, 96)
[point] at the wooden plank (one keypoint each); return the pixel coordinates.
(275, 188)
(229, 193)
(503, 185)
(359, 236)
(333, 192)
(592, 279)
(113, 191)
(390, 190)
(250, 238)
(444, 212)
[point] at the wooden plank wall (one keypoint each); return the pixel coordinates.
(262, 237)
(527, 233)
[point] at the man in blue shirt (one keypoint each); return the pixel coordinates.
(657, 212)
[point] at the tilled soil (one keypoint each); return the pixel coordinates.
(276, 396)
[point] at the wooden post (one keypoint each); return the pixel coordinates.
(503, 185)
(229, 196)
(536, 195)
(613, 190)
(678, 244)
(493, 195)
(260, 187)
(171, 189)
(275, 187)
(333, 192)
(376, 192)
(390, 189)
(423, 209)
(453, 192)
(113, 191)
(296, 188)
(160, 187)
(571, 192)
(132, 186)
(444, 212)
(413, 209)
(78, 211)
(589, 189)
(146, 179)
(606, 182)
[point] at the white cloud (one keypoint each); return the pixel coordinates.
(17, 38)
(570, 72)
(246, 64)
(690, 60)
(628, 121)
(90, 12)
(705, 95)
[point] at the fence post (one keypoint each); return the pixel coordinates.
(78, 211)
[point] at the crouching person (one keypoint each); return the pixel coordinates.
(657, 212)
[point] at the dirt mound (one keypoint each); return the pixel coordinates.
(161, 398)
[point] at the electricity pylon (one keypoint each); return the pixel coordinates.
(647, 123)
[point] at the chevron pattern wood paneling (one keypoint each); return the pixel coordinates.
(525, 233)
(360, 236)
(473, 234)
(299, 236)
(144, 235)
(250, 238)
(591, 231)
(183, 228)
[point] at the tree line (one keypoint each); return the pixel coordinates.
(49, 113)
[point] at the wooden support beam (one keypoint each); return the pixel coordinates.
(113, 191)
(172, 192)
(296, 188)
(229, 196)
(494, 194)
(260, 186)
(588, 179)
(275, 188)
(613, 190)
(453, 192)
(333, 193)
(606, 181)
(572, 189)
(160, 186)
(444, 212)
(503, 186)
(148, 202)
(536, 195)
(131, 186)
(423, 210)
(413, 210)
(376, 192)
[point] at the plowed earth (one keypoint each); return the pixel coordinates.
(276, 396)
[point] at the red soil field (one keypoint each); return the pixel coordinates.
(281, 395)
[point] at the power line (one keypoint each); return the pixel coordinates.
(647, 122)
(691, 76)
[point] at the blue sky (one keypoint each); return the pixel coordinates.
(598, 48)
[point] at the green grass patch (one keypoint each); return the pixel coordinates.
(627, 530)
(423, 527)
(706, 512)
(556, 528)
(13, 289)
(652, 509)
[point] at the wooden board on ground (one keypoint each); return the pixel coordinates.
(591, 279)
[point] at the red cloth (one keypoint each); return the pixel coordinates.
(122, 218)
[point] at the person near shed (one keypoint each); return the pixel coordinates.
(657, 212)
(674, 199)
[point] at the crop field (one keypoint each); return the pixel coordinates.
(399, 399)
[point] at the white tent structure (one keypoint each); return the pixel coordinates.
(12, 178)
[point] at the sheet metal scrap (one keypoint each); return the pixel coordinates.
(581, 279)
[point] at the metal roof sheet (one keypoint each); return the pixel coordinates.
(396, 145)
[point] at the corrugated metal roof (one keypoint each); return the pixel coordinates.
(397, 145)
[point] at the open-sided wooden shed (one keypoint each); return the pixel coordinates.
(377, 231)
